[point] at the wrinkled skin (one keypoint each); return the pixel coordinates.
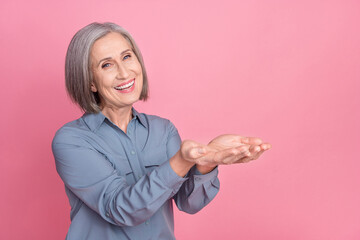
(224, 150)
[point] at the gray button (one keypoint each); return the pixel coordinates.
(147, 222)
(197, 178)
(108, 214)
(132, 152)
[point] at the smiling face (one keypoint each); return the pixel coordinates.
(117, 73)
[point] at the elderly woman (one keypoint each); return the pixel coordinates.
(122, 169)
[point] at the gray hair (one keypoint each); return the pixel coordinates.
(78, 75)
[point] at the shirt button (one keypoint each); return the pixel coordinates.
(107, 214)
(132, 152)
(147, 222)
(197, 178)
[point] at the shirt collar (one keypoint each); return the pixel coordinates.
(140, 117)
(94, 120)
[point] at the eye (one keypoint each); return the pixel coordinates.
(126, 56)
(105, 65)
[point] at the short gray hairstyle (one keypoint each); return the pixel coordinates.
(78, 75)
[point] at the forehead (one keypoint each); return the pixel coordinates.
(112, 44)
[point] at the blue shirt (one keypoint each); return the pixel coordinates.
(120, 185)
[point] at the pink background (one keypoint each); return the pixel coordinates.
(286, 71)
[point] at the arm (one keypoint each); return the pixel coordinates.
(199, 189)
(203, 185)
(94, 180)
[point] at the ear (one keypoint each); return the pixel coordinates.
(93, 87)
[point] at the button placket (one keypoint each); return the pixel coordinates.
(130, 148)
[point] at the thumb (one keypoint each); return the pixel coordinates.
(201, 150)
(197, 152)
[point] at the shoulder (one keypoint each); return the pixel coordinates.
(154, 119)
(70, 131)
(159, 126)
(156, 122)
(160, 131)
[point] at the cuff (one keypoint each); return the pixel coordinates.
(170, 179)
(200, 178)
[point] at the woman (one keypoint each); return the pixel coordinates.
(122, 168)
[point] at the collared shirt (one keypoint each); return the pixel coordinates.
(120, 185)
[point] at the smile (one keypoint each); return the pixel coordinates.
(126, 85)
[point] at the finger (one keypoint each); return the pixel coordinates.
(191, 149)
(206, 159)
(265, 146)
(253, 152)
(246, 155)
(233, 159)
(244, 159)
(222, 157)
(254, 149)
(258, 154)
(226, 141)
(211, 157)
(247, 159)
(197, 152)
(227, 156)
(251, 140)
(233, 155)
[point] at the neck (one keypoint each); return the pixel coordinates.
(119, 116)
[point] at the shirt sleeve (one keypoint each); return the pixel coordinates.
(93, 179)
(199, 189)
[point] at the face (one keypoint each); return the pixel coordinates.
(116, 71)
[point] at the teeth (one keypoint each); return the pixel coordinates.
(125, 86)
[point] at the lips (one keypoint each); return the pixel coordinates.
(126, 86)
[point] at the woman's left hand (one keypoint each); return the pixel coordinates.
(228, 141)
(223, 150)
(210, 157)
(243, 149)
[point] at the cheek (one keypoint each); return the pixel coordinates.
(140, 75)
(104, 81)
(140, 80)
(136, 66)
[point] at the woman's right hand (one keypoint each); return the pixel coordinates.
(256, 147)
(224, 149)
(205, 155)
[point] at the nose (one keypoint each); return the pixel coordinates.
(123, 72)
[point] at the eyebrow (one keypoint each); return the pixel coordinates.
(108, 58)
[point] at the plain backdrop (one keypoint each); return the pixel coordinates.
(285, 71)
